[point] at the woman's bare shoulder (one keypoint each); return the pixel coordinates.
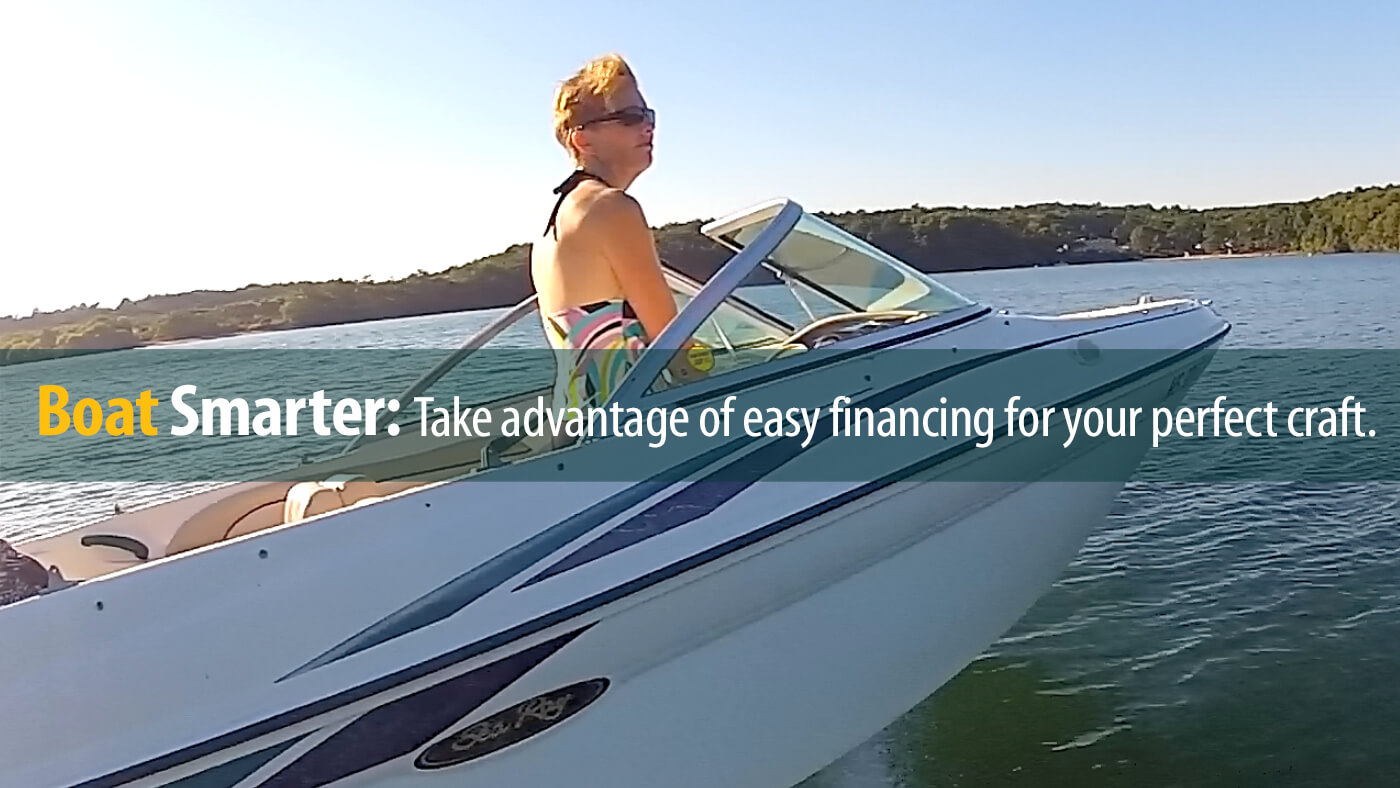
(607, 209)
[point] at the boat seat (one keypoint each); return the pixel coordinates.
(243, 512)
(272, 504)
(308, 499)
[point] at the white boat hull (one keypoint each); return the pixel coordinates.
(749, 645)
(844, 661)
(839, 623)
(862, 615)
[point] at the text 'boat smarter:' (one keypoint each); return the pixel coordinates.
(360, 624)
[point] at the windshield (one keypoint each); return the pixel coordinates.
(848, 273)
(735, 324)
(521, 363)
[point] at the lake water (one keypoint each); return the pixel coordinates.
(1221, 634)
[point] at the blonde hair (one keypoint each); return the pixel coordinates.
(584, 95)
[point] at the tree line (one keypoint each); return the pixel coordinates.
(931, 239)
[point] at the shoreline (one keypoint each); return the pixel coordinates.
(9, 356)
(1239, 255)
(936, 241)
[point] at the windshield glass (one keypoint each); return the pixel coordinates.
(850, 274)
(519, 362)
(733, 328)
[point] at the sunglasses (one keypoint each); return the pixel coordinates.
(629, 116)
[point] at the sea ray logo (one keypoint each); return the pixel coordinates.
(512, 726)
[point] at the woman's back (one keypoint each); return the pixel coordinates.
(567, 265)
(583, 306)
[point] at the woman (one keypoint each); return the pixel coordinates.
(602, 294)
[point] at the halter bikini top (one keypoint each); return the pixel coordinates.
(570, 183)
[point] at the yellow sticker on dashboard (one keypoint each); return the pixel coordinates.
(701, 358)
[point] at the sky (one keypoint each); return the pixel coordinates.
(157, 147)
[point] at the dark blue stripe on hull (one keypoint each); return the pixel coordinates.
(450, 597)
(704, 496)
(723, 549)
(455, 594)
(228, 774)
(397, 729)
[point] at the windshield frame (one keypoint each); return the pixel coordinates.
(724, 230)
(776, 221)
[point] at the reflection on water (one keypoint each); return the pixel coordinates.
(1004, 721)
(1324, 715)
(1209, 635)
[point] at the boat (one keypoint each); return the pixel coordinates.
(410, 614)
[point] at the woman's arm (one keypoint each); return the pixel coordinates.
(630, 250)
(627, 243)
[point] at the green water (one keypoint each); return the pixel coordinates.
(1207, 635)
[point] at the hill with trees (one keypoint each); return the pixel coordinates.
(931, 239)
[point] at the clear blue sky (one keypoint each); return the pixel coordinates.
(163, 146)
